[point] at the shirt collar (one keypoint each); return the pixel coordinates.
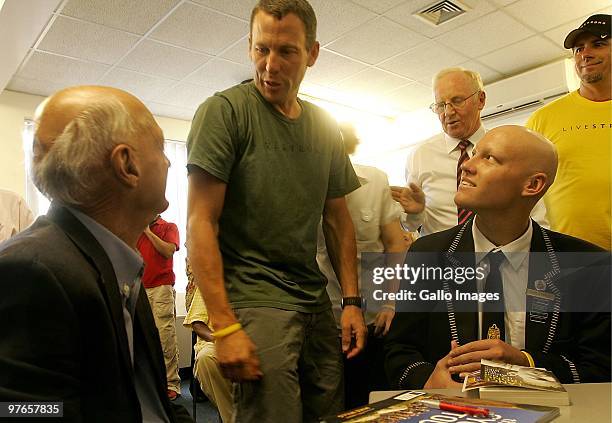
(482, 246)
(361, 175)
(126, 262)
(452, 143)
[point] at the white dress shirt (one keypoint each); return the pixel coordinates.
(515, 273)
(371, 207)
(432, 165)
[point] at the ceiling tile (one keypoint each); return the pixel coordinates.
(411, 97)
(239, 8)
(136, 16)
(523, 55)
(403, 14)
(62, 70)
(378, 6)
(186, 95)
(486, 34)
(239, 53)
(145, 87)
(544, 14)
(34, 86)
(558, 34)
(163, 60)
(84, 40)
(337, 17)
(166, 110)
(376, 40)
(220, 74)
(200, 29)
(372, 82)
(504, 2)
(422, 61)
(331, 68)
(487, 74)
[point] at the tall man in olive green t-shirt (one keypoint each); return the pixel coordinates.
(264, 167)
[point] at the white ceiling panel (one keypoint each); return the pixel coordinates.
(558, 34)
(403, 14)
(546, 14)
(334, 18)
(487, 74)
(378, 6)
(239, 52)
(163, 60)
(186, 95)
(200, 29)
(330, 68)
(238, 8)
(523, 55)
(62, 70)
(84, 40)
(34, 86)
(220, 74)
(160, 109)
(376, 40)
(145, 87)
(410, 97)
(136, 16)
(424, 60)
(486, 34)
(372, 82)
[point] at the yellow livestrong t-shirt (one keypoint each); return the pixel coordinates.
(578, 203)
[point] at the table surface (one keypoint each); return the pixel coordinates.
(591, 402)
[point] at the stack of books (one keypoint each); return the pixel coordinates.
(416, 406)
(524, 385)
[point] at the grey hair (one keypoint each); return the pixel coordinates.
(471, 75)
(75, 168)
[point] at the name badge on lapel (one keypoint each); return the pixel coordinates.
(541, 302)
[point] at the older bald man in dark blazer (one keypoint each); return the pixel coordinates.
(76, 324)
(553, 308)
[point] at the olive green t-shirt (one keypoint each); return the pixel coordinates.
(278, 172)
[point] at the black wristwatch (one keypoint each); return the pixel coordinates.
(354, 301)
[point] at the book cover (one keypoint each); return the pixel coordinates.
(407, 408)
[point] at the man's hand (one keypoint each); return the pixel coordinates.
(237, 358)
(383, 320)
(466, 358)
(353, 327)
(411, 198)
(441, 377)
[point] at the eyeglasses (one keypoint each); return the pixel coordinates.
(456, 102)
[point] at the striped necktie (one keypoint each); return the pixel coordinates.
(462, 214)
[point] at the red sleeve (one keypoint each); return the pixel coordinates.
(171, 235)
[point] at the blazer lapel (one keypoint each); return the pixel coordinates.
(540, 319)
(107, 282)
(463, 256)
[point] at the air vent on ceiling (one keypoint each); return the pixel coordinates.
(442, 12)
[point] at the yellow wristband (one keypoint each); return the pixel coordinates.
(227, 330)
(529, 358)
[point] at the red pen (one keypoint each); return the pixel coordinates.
(456, 408)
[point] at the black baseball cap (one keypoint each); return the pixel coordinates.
(598, 25)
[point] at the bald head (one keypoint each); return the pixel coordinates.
(510, 170)
(532, 152)
(55, 113)
(77, 129)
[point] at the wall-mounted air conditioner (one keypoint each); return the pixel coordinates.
(530, 88)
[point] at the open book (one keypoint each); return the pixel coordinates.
(411, 406)
(508, 382)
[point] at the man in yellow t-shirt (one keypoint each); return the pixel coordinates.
(580, 125)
